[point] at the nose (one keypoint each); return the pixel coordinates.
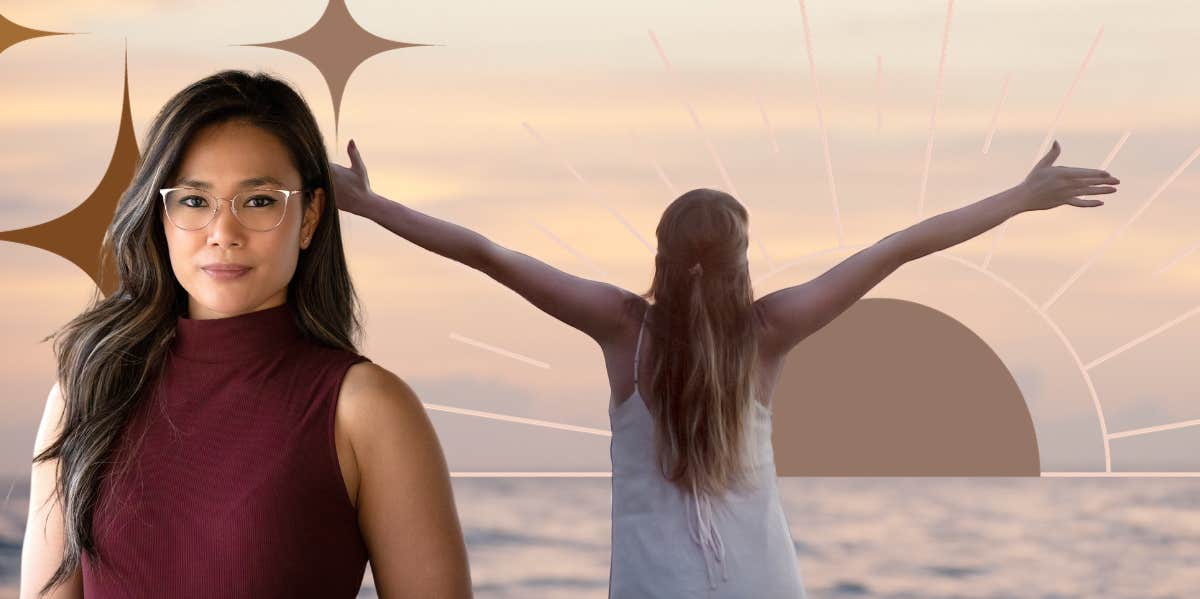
(225, 230)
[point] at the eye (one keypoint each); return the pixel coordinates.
(184, 201)
(265, 200)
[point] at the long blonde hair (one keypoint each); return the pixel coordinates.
(703, 331)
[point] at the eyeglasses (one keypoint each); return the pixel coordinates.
(192, 209)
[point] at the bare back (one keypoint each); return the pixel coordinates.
(618, 360)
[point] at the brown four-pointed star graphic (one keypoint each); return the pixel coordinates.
(12, 34)
(79, 234)
(336, 44)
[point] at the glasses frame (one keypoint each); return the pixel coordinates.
(232, 206)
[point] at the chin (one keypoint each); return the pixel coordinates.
(223, 303)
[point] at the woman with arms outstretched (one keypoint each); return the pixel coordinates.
(692, 364)
(214, 431)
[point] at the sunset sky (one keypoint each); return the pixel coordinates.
(447, 129)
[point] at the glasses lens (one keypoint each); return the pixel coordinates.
(261, 210)
(189, 208)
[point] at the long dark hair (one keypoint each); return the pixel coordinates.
(703, 331)
(110, 354)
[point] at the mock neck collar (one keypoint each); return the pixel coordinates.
(240, 337)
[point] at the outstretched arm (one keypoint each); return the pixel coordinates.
(593, 307)
(796, 312)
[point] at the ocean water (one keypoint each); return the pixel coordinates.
(891, 538)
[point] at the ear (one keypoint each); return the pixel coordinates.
(312, 216)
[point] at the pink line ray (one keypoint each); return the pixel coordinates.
(1120, 230)
(712, 149)
(937, 98)
(519, 420)
(486, 474)
(762, 110)
(592, 192)
(662, 175)
(1154, 429)
(1176, 260)
(1049, 137)
(987, 142)
(812, 73)
(1161, 329)
(878, 92)
(574, 252)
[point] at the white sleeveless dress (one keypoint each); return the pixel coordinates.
(671, 544)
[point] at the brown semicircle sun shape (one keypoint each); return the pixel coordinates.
(896, 388)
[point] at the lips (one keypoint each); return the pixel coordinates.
(226, 271)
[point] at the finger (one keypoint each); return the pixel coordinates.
(1050, 156)
(1095, 181)
(1093, 190)
(356, 161)
(1082, 203)
(1075, 171)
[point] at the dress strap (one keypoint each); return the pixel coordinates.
(638, 348)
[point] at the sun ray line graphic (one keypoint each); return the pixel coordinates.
(590, 190)
(987, 142)
(1170, 426)
(599, 474)
(708, 143)
(1062, 106)
(1116, 148)
(531, 474)
(812, 75)
(500, 351)
(762, 111)
(591, 264)
(1146, 336)
(1122, 474)
(1180, 257)
(797, 261)
(1070, 347)
(519, 420)
(937, 99)
(662, 175)
(878, 93)
(1121, 230)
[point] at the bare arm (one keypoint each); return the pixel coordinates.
(796, 312)
(593, 307)
(44, 536)
(405, 502)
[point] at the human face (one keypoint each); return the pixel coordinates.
(220, 158)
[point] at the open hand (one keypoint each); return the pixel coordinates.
(351, 187)
(1048, 186)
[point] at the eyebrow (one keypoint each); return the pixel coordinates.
(251, 182)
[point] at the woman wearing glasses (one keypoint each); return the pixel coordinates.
(695, 507)
(213, 430)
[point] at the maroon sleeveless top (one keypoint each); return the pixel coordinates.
(232, 486)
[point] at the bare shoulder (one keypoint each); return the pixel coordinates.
(373, 410)
(367, 382)
(404, 499)
(374, 400)
(770, 349)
